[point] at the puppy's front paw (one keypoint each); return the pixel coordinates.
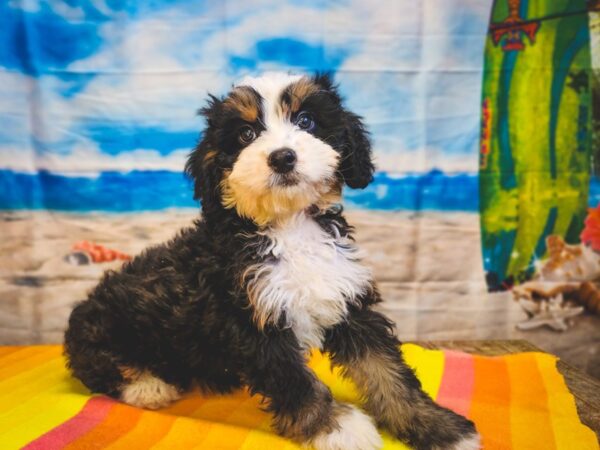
(355, 431)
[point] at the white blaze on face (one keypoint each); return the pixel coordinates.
(252, 187)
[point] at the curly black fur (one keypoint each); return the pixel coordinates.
(181, 312)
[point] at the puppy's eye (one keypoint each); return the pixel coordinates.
(305, 121)
(247, 134)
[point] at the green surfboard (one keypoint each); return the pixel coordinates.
(534, 168)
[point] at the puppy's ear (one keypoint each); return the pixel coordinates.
(200, 165)
(212, 111)
(357, 163)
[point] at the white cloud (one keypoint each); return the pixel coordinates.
(16, 101)
(424, 160)
(88, 159)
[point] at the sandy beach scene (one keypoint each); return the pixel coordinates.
(428, 267)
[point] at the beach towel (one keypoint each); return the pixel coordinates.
(517, 401)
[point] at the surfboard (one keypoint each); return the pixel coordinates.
(534, 162)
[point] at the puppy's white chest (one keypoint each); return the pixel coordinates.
(311, 278)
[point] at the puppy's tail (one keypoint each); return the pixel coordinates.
(88, 355)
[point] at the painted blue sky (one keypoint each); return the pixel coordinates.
(94, 85)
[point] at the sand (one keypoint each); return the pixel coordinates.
(428, 267)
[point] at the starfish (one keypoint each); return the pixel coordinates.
(552, 313)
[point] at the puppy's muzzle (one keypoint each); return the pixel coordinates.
(282, 160)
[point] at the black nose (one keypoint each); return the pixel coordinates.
(282, 160)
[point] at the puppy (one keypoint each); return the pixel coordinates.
(269, 272)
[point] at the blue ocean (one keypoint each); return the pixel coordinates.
(157, 190)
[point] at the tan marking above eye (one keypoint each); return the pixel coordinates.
(298, 91)
(243, 100)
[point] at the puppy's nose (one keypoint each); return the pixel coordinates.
(282, 160)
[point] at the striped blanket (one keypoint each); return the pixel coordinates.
(517, 401)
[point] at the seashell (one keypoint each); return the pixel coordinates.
(589, 296)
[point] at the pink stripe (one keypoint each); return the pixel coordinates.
(456, 388)
(92, 413)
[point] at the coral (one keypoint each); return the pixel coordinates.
(591, 231)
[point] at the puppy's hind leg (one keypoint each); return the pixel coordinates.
(92, 360)
(88, 351)
(101, 372)
(368, 352)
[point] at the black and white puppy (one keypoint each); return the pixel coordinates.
(269, 272)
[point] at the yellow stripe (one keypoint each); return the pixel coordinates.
(18, 389)
(29, 384)
(563, 412)
(37, 400)
(36, 394)
(268, 440)
(342, 388)
(391, 443)
(263, 437)
(40, 415)
(428, 365)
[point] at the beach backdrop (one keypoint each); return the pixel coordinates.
(483, 114)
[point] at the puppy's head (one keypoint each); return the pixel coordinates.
(278, 144)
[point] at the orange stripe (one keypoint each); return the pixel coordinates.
(24, 349)
(152, 427)
(529, 413)
(217, 408)
(247, 414)
(233, 416)
(120, 420)
(5, 351)
(217, 416)
(186, 406)
(490, 407)
(26, 359)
